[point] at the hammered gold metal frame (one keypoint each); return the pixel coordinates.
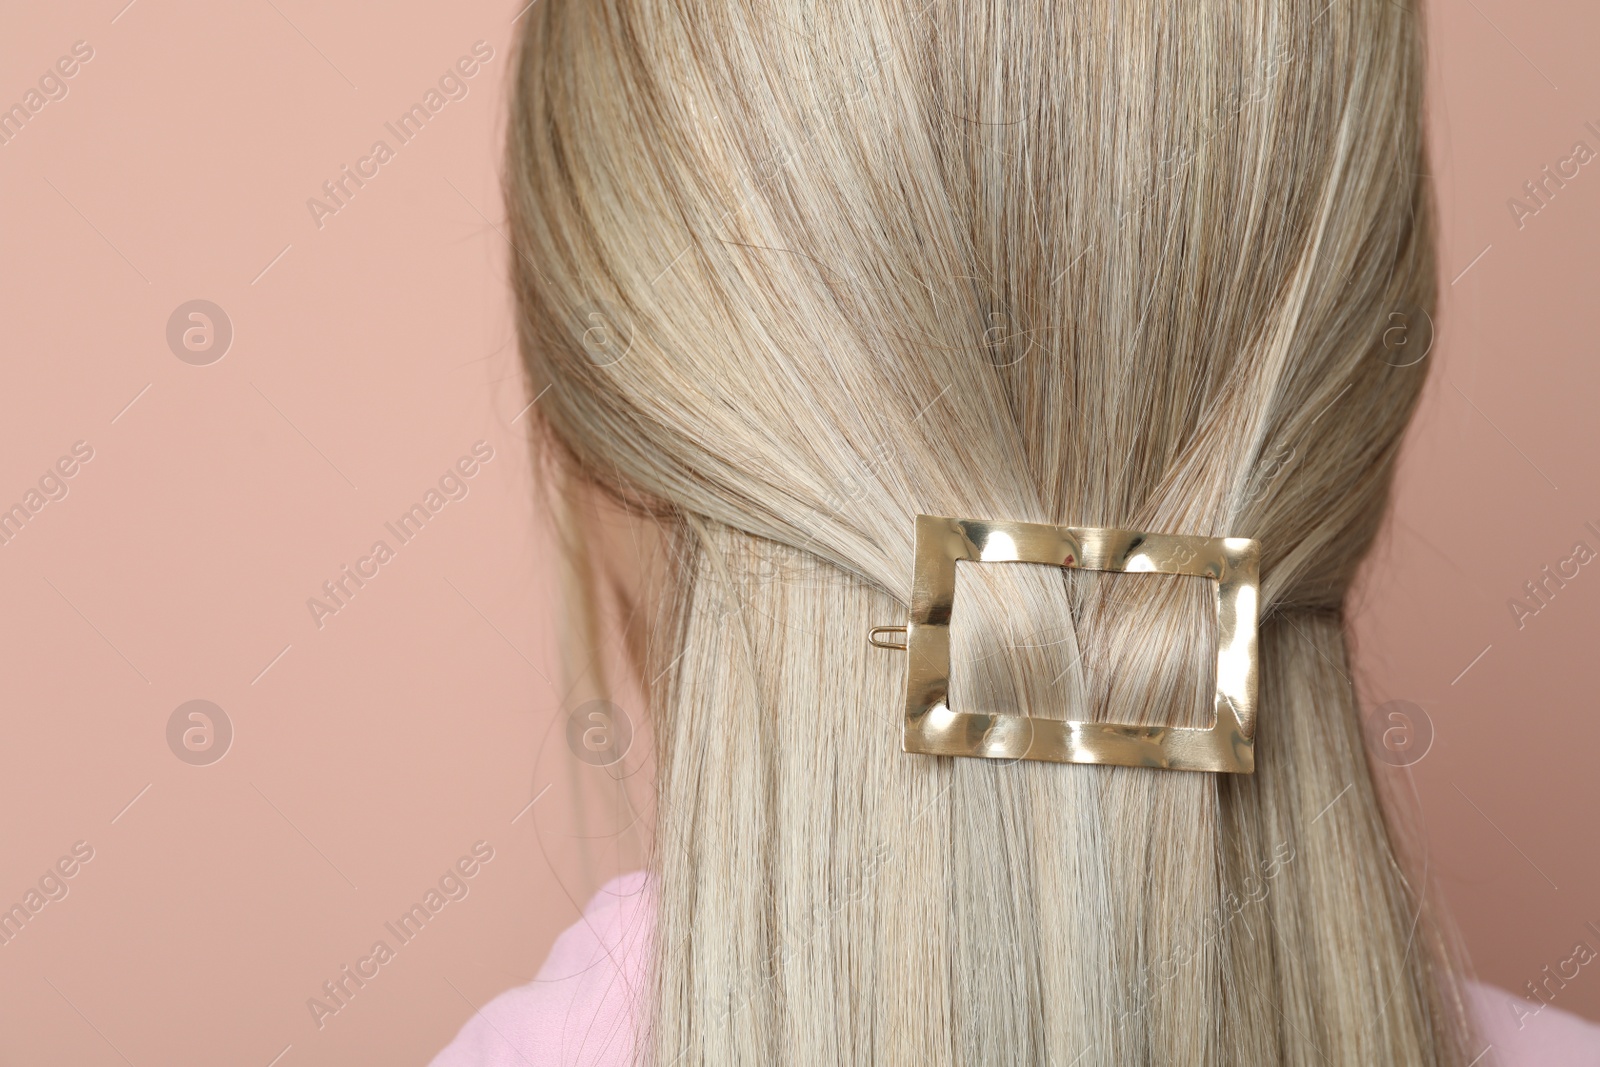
(933, 728)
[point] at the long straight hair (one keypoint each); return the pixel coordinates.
(789, 274)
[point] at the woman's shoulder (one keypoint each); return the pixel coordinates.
(582, 1007)
(1526, 1033)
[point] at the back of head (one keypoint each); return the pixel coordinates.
(796, 273)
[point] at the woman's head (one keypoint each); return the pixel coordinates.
(793, 274)
(808, 272)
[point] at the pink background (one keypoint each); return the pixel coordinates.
(372, 352)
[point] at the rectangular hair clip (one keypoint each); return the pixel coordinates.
(933, 728)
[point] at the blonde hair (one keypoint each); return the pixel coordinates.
(790, 274)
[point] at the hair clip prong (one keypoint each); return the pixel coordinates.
(873, 638)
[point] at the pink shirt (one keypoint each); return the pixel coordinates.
(582, 1008)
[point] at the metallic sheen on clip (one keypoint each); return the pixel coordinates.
(933, 728)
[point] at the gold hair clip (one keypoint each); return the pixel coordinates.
(933, 729)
